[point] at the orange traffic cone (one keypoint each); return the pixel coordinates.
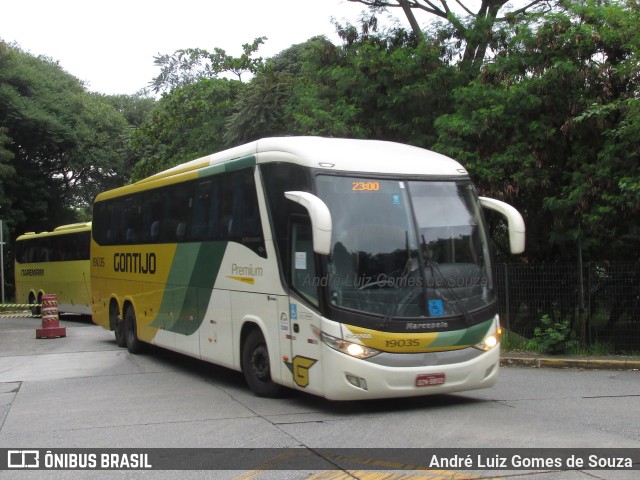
(50, 325)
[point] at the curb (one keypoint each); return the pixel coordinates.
(578, 363)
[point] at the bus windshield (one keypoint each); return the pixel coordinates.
(406, 249)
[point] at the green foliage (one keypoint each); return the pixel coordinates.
(59, 144)
(511, 341)
(97, 161)
(134, 108)
(188, 122)
(6, 169)
(190, 65)
(551, 126)
(550, 123)
(261, 108)
(595, 348)
(466, 34)
(553, 337)
(378, 85)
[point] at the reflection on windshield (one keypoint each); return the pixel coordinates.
(406, 249)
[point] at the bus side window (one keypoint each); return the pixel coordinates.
(114, 233)
(168, 223)
(179, 203)
(244, 224)
(151, 217)
(155, 231)
(31, 252)
(214, 223)
(200, 214)
(45, 250)
(304, 278)
(278, 178)
(132, 221)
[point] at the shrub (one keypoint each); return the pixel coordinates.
(553, 337)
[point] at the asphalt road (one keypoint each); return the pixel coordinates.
(82, 391)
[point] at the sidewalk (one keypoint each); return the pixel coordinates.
(587, 362)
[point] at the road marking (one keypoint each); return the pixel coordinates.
(421, 473)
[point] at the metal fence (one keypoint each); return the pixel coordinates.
(602, 304)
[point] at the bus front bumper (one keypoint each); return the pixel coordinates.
(349, 378)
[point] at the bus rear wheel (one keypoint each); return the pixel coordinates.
(35, 310)
(133, 343)
(256, 367)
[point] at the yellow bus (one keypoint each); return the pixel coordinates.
(55, 262)
(349, 269)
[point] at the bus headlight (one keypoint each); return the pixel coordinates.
(490, 341)
(352, 349)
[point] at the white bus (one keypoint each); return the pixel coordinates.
(350, 269)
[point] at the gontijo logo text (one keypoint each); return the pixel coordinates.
(130, 262)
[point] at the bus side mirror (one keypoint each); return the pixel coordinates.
(320, 219)
(514, 221)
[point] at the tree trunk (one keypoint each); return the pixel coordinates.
(417, 31)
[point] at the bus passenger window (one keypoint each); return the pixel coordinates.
(155, 231)
(303, 268)
(244, 223)
(200, 211)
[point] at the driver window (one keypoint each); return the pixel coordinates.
(303, 268)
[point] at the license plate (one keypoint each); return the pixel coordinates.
(430, 380)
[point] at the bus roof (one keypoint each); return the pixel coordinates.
(331, 154)
(366, 156)
(73, 226)
(61, 230)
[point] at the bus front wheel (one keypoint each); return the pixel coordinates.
(256, 367)
(117, 323)
(134, 345)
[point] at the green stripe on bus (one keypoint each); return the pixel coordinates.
(469, 336)
(476, 334)
(239, 163)
(229, 166)
(189, 286)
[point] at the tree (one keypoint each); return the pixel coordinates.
(188, 122)
(384, 85)
(63, 143)
(264, 107)
(97, 161)
(6, 171)
(477, 31)
(189, 65)
(260, 110)
(551, 126)
(134, 108)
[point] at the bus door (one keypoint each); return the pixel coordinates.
(304, 319)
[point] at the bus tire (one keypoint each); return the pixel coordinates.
(117, 323)
(121, 341)
(34, 310)
(256, 367)
(133, 343)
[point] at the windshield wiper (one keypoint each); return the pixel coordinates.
(434, 268)
(399, 300)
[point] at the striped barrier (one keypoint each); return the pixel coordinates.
(19, 305)
(16, 310)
